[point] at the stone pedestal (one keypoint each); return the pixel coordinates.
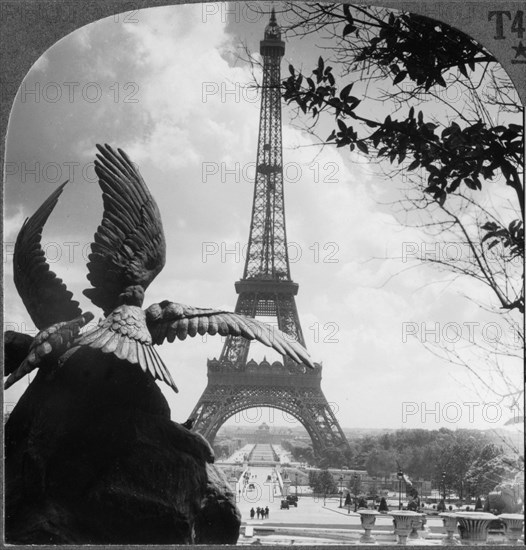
(513, 525)
(218, 520)
(473, 527)
(368, 519)
(92, 457)
(450, 525)
(403, 523)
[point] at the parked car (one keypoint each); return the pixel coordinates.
(292, 499)
(284, 505)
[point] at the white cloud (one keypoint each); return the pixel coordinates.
(12, 225)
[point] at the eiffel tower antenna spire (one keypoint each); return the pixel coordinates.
(267, 290)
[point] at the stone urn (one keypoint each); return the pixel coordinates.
(416, 524)
(473, 526)
(403, 523)
(368, 519)
(450, 525)
(513, 524)
(425, 527)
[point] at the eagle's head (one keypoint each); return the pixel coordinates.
(132, 296)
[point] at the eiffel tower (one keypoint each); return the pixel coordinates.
(267, 290)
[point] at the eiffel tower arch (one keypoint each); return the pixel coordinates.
(264, 384)
(267, 290)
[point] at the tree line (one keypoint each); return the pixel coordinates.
(464, 462)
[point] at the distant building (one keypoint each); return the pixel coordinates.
(260, 434)
(263, 434)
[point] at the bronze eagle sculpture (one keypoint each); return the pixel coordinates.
(128, 252)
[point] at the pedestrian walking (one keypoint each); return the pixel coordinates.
(252, 513)
(266, 511)
(258, 511)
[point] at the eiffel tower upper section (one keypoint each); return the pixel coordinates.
(266, 288)
(267, 256)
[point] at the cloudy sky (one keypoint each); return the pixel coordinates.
(167, 86)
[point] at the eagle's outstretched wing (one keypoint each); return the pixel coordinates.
(49, 345)
(169, 320)
(45, 296)
(129, 247)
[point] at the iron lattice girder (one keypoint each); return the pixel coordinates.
(264, 300)
(308, 405)
(267, 255)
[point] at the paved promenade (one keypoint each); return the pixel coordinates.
(313, 521)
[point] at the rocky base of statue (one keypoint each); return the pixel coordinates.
(219, 519)
(93, 457)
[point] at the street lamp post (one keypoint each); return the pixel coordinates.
(341, 489)
(296, 475)
(355, 492)
(444, 486)
(400, 476)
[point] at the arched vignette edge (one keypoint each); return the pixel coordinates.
(29, 28)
